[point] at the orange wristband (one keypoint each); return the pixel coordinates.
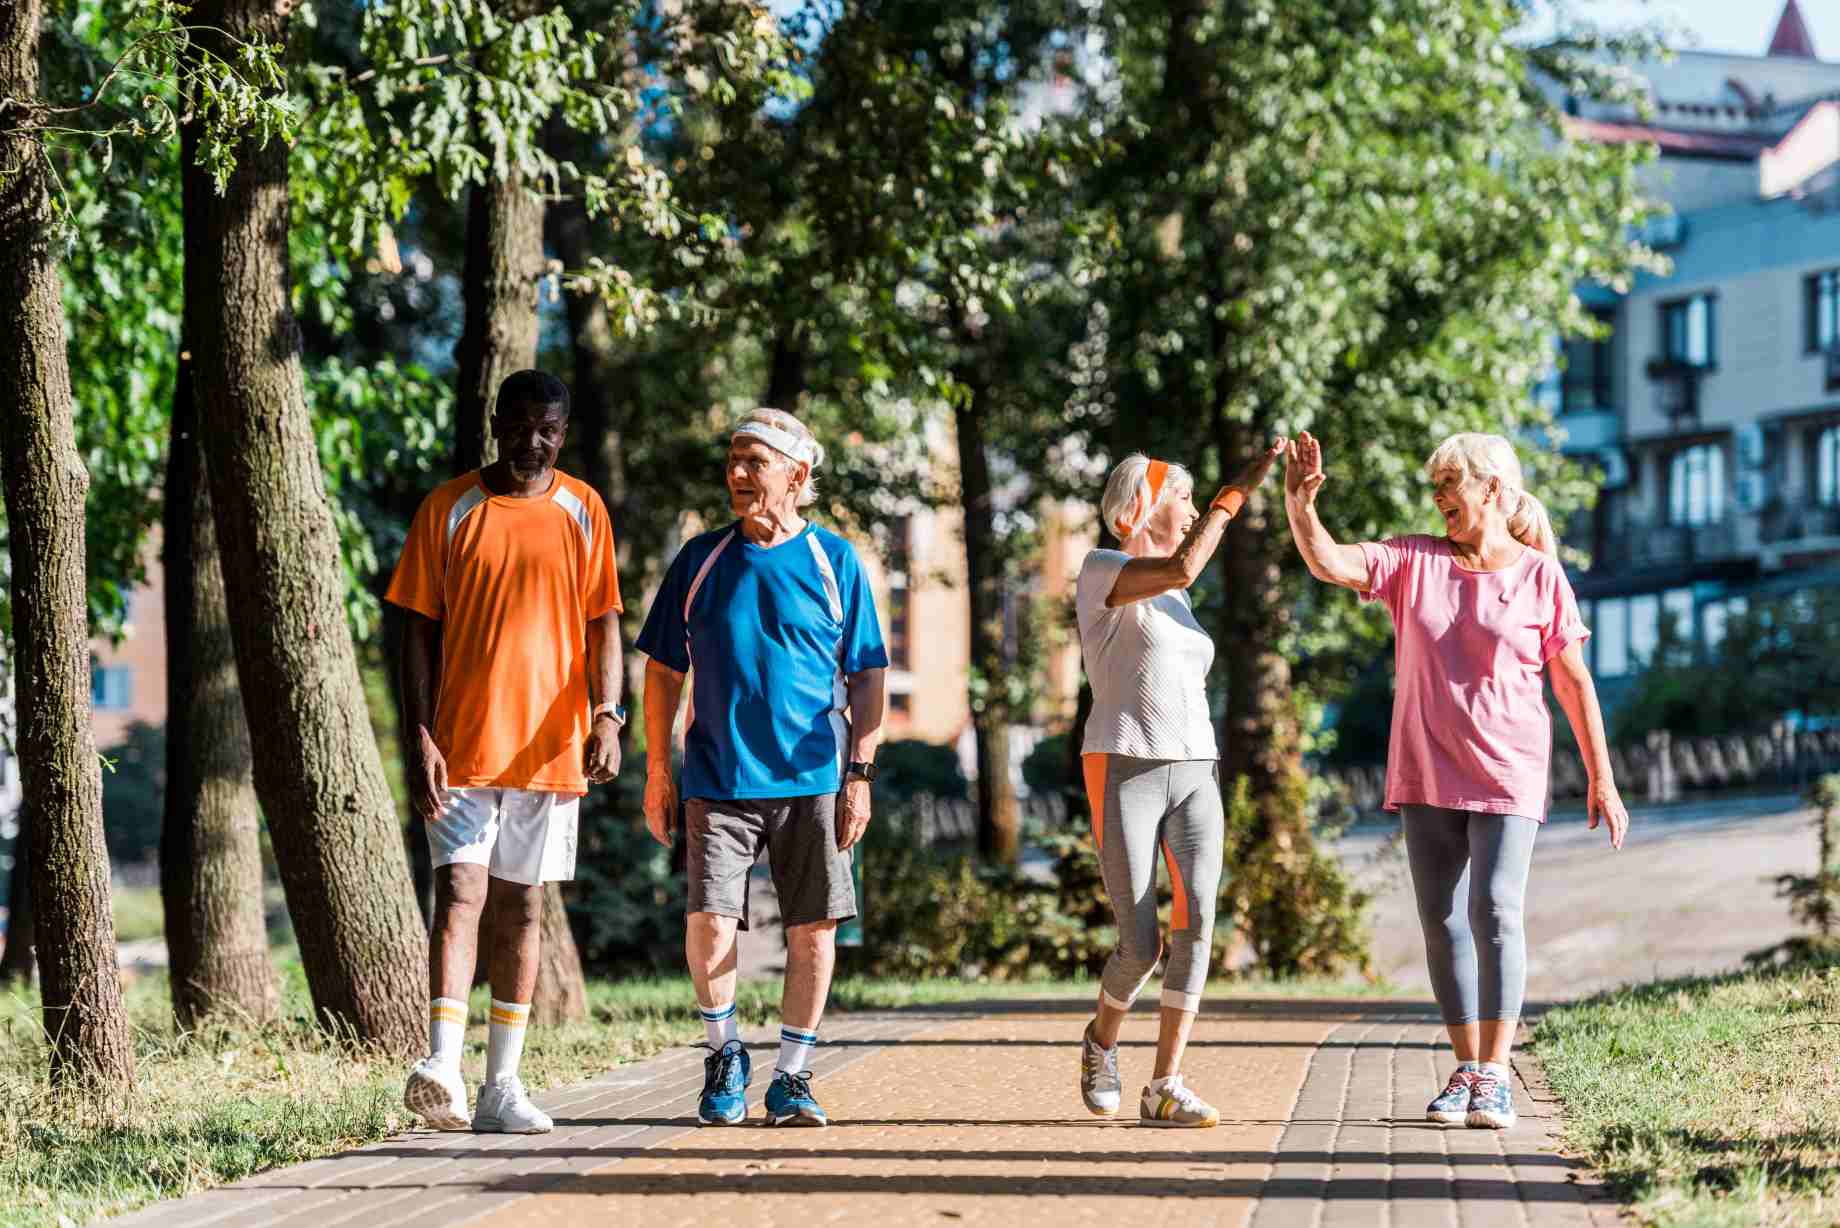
(1229, 501)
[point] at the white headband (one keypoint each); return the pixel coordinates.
(800, 450)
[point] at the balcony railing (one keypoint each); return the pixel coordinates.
(1667, 545)
(1788, 524)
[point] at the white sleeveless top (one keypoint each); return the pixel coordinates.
(1147, 662)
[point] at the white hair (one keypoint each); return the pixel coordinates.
(780, 420)
(1123, 488)
(1474, 455)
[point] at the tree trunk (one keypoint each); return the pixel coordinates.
(999, 813)
(786, 376)
(504, 259)
(594, 420)
(16, 962)
(562, 995)
(210, 843)
(317, 770)
(45, 488)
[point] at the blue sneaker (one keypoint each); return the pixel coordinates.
(790, 1102)
(1452, 1104)
(1491, 1104)
(726, 1074)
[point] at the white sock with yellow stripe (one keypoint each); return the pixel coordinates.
(505, 1038)
(446, 1031)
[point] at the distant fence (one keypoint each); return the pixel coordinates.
(1658, 768)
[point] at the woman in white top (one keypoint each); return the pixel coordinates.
(1150, 763)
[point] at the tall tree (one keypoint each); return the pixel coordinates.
(210, 846)
(45, 486)
(317, 770)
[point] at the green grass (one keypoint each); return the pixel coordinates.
(138, 913)
(1712, 1102)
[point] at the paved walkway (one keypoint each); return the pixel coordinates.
(971, 1115)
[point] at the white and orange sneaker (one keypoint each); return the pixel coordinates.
(1176, 1107)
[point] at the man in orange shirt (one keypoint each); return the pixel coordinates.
(511, 703)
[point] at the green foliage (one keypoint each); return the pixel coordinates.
(1779, 655)
(1048, 767)
(908, 766)
(627, 902)
(134, 794)
(1814, 899)
(1292, 899)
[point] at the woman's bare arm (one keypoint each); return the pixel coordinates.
(1141, 579)
(1328, 560)
(1577, 694)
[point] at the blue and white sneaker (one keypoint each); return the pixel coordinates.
(790, 1102)
(726, 1074)
(1491, 1103)
(1452, 1104)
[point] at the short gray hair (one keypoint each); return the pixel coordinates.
(780, 420)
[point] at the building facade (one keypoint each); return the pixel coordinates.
(1713, 406)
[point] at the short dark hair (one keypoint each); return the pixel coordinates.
(532, 388)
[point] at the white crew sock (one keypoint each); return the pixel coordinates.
(1470, 1066)
(505, 1038)
(719, 1023)
(795, 1046)
(1159, 1086)
(446, 1031)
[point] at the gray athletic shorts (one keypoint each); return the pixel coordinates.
(810, 874)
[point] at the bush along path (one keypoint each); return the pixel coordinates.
(969, 1112)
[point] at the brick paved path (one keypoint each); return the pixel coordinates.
(972, 1116)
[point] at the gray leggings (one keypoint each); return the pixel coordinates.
(1137, 805)
(1475, 945)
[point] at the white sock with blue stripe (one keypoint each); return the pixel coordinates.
(795, 1046)
(719, 1022)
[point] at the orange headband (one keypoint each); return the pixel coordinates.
(1148, 492)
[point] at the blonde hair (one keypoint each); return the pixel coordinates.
(1474, 455)
(780, 420)
(1121, 490)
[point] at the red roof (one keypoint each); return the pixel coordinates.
(1671, 140)
(1792, 38)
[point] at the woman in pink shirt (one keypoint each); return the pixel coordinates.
(1484, 616)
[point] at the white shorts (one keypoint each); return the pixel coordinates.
(520, 835)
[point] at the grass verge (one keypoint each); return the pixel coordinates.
(219, 1105)
(1710, 1101)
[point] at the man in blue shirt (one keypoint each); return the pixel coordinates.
(774, 618)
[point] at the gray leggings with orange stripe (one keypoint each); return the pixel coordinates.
(1139, 806)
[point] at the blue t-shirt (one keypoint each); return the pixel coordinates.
(771, 633)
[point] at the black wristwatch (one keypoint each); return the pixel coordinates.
(860, 771)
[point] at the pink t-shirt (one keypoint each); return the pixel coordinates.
(1470, 725)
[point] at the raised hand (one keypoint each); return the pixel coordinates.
(1303, 470)
(1254, 473)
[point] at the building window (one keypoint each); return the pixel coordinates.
(1687, 331)
(1644, 628)
(1823, 311)
(1827, 468)
(111, 688)
(1585, 383)
(1696, 485)
(1612, 636)
(900, 601)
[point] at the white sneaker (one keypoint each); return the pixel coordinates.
(505, 1108)
(1099, 1086)
(437, 1094)
(1176, 1106)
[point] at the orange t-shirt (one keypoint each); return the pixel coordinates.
(514, 584)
